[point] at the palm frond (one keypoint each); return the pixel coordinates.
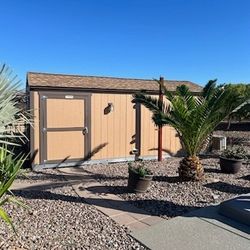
(209, 89)
(193, 117)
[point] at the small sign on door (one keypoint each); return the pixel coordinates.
(69, 97)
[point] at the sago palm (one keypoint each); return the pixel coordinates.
(194, 117)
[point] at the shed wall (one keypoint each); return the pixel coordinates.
(149, 136)
(116, 128)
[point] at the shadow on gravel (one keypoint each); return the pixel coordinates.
(209, 155)
(162, 207)
(228, 188)
(108, 189)
(247, 177)
(164, 178)
(212, 170)
(40, 175)
(150, 206)
(74, 178)
(146, 206)
(46, 195)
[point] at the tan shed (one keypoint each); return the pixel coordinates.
(87, 118)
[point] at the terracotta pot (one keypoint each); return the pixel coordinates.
(230, 166)
(138, 184)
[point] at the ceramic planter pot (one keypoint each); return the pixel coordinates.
(230, 166)
(138, 184)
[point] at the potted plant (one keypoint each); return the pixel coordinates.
(231, 159)
(139, 177)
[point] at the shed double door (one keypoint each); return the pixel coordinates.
(65, 127)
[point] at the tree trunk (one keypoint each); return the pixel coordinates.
(191, 169)
(229, 123)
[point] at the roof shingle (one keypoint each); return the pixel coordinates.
(102, 83)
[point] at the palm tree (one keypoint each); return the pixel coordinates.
(194, 117)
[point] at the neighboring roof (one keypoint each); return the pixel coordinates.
(37, 80)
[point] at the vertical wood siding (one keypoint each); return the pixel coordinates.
(116, 128)
(149, 136)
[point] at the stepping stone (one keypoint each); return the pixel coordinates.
(237, 209)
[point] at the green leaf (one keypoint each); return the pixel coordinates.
(6, 218)
(17, 202)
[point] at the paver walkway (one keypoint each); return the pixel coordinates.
(97, 195)
(111, 205)
(203, 229)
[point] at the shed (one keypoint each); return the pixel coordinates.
(87, 117)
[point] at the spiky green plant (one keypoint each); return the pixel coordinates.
(9, 169)
(10, 112)
(193, 116)
(10, 115)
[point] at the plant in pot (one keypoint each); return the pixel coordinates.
(231, 159)
(139, 178)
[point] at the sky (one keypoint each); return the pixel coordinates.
(195, 40)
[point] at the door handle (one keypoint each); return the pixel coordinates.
(85, 130)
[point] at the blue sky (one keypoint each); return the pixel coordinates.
(194, 40)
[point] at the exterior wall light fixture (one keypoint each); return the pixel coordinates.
(110, 107)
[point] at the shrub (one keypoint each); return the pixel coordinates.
(139, 168)
(235, 152)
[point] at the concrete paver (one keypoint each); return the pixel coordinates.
(137, 225)
(111, 212)
(210, 214)
(152, 220)
(193, 232)
(124, 219)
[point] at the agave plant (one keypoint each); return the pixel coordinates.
(10, 115)
(194, 117)
(9, 169)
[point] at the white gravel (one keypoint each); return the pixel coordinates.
(168, 197)
(59, 219)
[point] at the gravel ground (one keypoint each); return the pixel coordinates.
(59, 219)
(167, 196)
